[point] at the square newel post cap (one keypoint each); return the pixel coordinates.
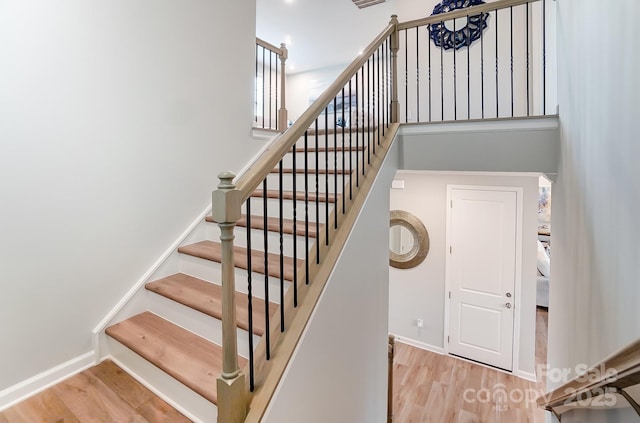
(226, 200)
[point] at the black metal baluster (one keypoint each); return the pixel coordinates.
(256, 82)
(377, 97)
(343, 161)
(544, 57)
(527, 64)
(364, 128)
(369, 127)
(266, 270)
(429, 53)
(295, 228)
(317, 194)
(250, 299)
(382, 98)
(406, 75)
(350, 145)
(511, 46)
(306, 205)
(280, 232)
(387, 84)
(335, 156)
(326, 179)
(357, 134)
(482, 73)
(417, 74)
(468, 75)
(263, 88)
(270, 94)
(497, 64)
(455, 83)
(442, 71)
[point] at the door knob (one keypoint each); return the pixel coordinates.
(508, 294)
(508, 305)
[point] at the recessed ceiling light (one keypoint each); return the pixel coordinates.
(287, 40)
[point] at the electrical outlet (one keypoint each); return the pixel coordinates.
(419, 323)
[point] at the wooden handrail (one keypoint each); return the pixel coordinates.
(618, 371)
(463, 13)
(254, 176)
(268, 46)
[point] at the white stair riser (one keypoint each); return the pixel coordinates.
(359, 138)
(324, 182)
(211, 271)
(257, 239)
(178, 395)
(201, 324)
(273, 209)
(334, 160)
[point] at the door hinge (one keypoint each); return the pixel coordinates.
(448, 340)
(450, 249)
(449, 294)
(451, 203)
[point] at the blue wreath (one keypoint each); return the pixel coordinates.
(447, 39)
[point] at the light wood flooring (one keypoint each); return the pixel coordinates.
(103, 393)
(427, 388)
(433, 388)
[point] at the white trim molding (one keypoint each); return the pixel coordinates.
(495, 125)
(418, 344)
(38, 383)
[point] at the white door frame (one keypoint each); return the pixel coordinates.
(518, 267)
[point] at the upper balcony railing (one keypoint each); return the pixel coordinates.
(270, 96)
(481, 62)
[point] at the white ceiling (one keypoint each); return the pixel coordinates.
(322, 32)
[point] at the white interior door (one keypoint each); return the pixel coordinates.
(481, 272)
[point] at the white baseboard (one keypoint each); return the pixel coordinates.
(421, 345)
(38, 383)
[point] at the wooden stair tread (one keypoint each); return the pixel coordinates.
(210, 250)
(190, 359)
(273, 225)
(207, 298)
(312, 172)
(288, 195)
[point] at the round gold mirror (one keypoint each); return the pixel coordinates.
(408, 240)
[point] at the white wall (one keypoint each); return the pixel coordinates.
(323, 33)
(115, 118)
(302, 87)
(594, 294)
(419, 293)
(515, 145)
(339, 370)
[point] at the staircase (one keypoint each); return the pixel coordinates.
(174, 345)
